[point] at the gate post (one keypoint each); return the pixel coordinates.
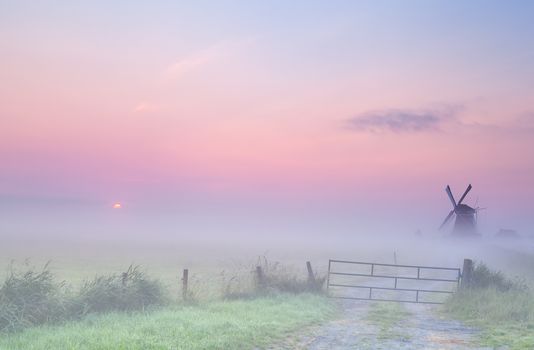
(185, 279)
(467, 273)
(311, 276)
(260, 278)
(328, 277)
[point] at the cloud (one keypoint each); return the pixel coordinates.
(525, 120)
(209, 55)
(188, 64)
(145, 107)
(401, 121)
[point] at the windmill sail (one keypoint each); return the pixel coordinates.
(465, 193)
(447, 219)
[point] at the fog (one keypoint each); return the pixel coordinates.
(88, 237)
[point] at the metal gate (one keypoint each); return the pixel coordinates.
(391, 282)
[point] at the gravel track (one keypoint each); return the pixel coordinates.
(422, 329)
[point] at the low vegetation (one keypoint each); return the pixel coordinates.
(132, 290)
(270, 278)
(501, 307)
(131, 310)
(34, 297)
(30, 298)
(237, 324)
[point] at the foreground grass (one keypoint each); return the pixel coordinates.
(240, 324)
(386, 316)
(506, 318)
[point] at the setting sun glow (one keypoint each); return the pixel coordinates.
(117, 206)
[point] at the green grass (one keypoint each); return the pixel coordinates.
(386, 316)
(502, 308)
(33, 297)
(239, 324)
(506, 318)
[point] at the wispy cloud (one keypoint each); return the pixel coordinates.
(192, 62)
(145, 107)
(401, 121)
(205, 57)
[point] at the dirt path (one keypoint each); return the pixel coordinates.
(367, 325)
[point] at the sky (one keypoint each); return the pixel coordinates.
(331, 115)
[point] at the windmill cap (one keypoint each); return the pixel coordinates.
(464, 209)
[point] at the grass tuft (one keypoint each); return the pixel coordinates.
(31, 298)
(132, 290)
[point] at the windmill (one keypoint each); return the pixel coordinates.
(466, 216)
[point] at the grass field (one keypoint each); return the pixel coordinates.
(502, 308)
(504, 316)
(241, 324)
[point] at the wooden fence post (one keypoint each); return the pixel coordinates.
(311, 276)
(260, 278)
(184, 284)
(467, 273)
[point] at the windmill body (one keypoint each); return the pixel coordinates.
(465, 216)
(465, 220)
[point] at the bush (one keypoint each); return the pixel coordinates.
(483, 277)
(129, 291)
(31, 298)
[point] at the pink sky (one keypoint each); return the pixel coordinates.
(282, 111)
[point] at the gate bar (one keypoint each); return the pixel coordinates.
(401, 289)
(399, 277)
(393, 265)
(393, 300)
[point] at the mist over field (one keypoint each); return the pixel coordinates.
(81, 237)
(237, 174)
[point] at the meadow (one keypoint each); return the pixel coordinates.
(237, 324)
(132, 310)
(224, 308)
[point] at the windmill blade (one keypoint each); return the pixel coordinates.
(447, 219)
(451, 197)
(465, 193)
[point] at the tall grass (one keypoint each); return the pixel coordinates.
(34, 297)
(492, 306)
(493, 297)
(278, 278)
(129, 291)
(502, 307)
(30, 298)
(270, 278)
(484, 277)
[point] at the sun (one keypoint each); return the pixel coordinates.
(117, 205)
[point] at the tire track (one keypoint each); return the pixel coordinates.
(421, 329)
